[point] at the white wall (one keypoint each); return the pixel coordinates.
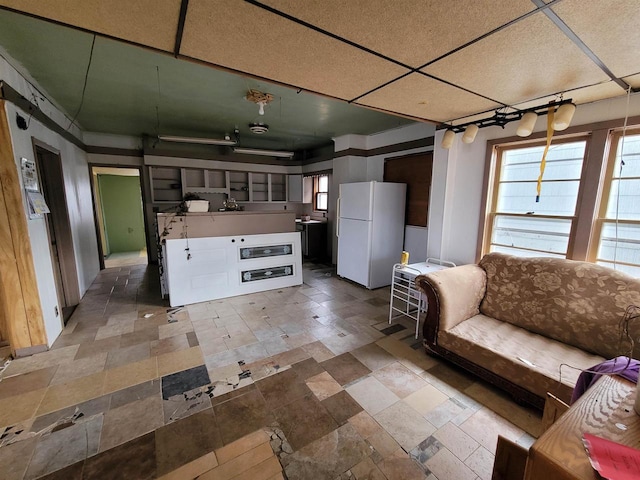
(78, 195)
(455, 210)
(349, 169)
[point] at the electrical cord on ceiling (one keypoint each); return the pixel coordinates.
(84, 87)
(624, 133)
(158, 103)
(34, 97)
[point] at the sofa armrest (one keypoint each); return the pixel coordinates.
(453, 295)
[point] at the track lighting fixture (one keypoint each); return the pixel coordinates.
(564, 110)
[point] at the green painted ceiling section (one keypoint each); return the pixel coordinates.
(126, 83)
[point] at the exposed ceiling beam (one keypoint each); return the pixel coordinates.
(180, 31)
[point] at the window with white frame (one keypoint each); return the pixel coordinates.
(321, 193)
(516, 223)
(617, 227)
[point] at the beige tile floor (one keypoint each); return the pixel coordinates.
(126, 259)
(134, 389)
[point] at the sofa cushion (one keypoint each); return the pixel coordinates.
(577, 303)
(527, 359)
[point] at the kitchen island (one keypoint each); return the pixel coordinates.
(212, 255)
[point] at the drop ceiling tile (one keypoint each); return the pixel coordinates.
(580, 96)
(413, 32)
(146, 22)
(609, 28)
(529, 59)
(243, 37)
(423, 97)
(633, 80)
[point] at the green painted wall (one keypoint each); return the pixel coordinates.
(122, 213)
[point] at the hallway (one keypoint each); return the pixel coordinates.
(135, 389)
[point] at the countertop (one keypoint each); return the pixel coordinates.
(230, 212)
(309, 222)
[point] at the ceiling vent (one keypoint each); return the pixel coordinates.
(258, 128)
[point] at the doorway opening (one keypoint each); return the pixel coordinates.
(63, 259)
(117, 192)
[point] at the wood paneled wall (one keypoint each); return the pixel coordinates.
(21, 317)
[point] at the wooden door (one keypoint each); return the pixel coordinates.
(59, 229)
(415, 171)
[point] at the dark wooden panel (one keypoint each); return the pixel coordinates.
(415, 171)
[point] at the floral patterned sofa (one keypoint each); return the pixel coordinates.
(515, 321)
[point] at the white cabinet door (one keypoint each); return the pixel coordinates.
(200, 273)
(295, 188)
(221, 267)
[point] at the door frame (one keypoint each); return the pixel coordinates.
(96, 212)
(60, 220)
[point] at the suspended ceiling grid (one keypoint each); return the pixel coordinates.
(432, 60)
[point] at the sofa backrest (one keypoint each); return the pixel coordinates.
(577, 303)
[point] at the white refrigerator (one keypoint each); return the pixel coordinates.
(370, 231)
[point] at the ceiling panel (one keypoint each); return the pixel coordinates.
(580, 96)
(633, 80)
(424, 97)
(241, 36)
(146, 22)
(609, 28)
(193, 99)
(413, 32)
(527, 60)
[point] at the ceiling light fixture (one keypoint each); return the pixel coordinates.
(266, 153)
(258, 128)
(262, 99)
(527, 124)
(447, 139)
(470, 133)
(204, 141)
(527, 118)
(563, 116)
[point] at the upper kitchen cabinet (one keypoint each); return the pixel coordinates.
(278, 187)
(267, 187)
(204, 181)
(239, 186)
(258, 187)
(169, 184)
(294, 188)
(166, 185)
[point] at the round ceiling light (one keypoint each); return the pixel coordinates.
(258, 128)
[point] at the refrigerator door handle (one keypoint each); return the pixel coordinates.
(338, 217)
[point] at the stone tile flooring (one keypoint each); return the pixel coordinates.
(307, 382)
